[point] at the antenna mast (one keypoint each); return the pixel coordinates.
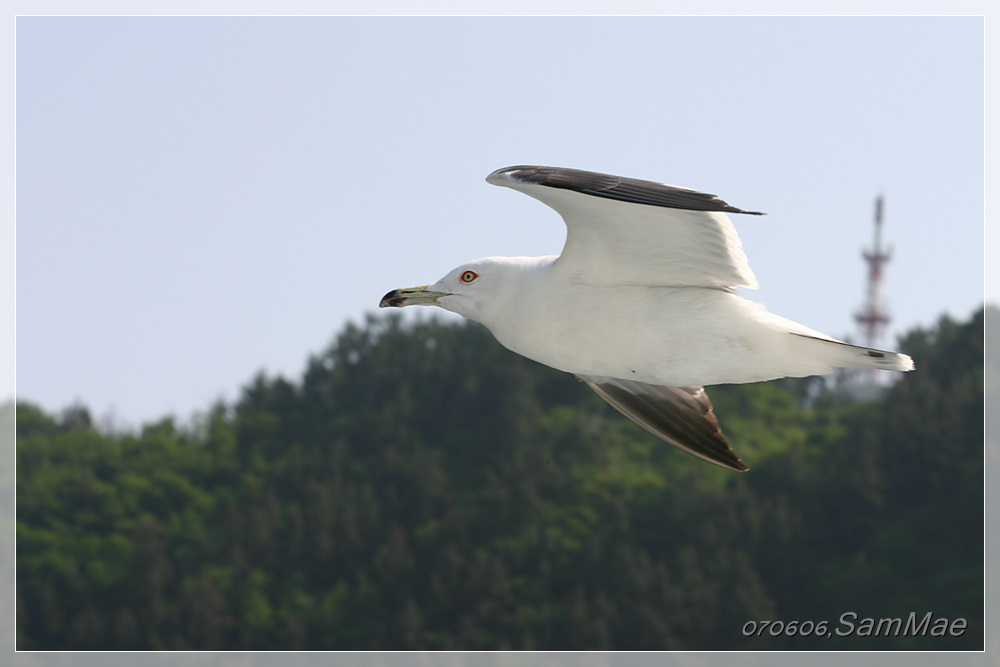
(873, 318)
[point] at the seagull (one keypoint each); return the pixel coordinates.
(641, 305)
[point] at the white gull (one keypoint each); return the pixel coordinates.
(640, 305)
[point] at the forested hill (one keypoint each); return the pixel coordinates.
(419, 487)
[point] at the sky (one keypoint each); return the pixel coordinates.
(199, 199)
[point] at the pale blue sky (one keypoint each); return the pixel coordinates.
(202, 198)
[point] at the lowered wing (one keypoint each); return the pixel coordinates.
(682, 416)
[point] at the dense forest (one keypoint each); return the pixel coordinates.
(420, 487)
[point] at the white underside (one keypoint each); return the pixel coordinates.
(678, 336)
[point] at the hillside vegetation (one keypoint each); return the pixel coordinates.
(420, 487)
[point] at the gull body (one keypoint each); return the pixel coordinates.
(677, 336)
(640, 305)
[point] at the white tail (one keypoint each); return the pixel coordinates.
(845, 355)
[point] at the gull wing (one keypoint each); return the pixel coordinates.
(681, 416)
(628, 231)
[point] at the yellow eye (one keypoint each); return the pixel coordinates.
(469, 276)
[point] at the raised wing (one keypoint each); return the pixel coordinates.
(628, 231)
(681, 416)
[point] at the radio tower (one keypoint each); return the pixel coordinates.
(873, 318)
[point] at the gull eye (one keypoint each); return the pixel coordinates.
(469, 276)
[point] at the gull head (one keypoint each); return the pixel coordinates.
(462, 290)
(474, 289)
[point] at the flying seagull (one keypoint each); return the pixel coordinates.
(640, 305)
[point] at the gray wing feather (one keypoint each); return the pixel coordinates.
(621, 188)
(681, 416)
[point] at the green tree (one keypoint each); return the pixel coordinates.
(420, 487)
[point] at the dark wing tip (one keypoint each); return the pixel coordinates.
(620, 188)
